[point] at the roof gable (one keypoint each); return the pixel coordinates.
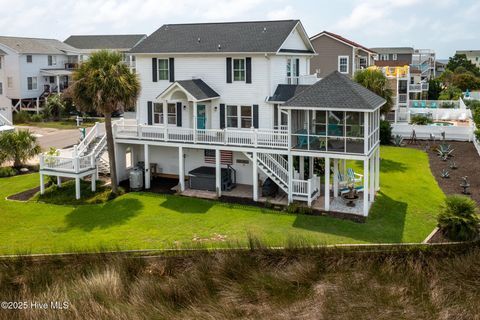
(336, 92)
(341, 39)
(229, 37)
(98, 42)
(36, 45)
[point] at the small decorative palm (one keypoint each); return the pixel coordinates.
(453, 165)
(445, 174)
(459, 219)
(18, 147)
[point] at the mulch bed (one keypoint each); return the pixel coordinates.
(158, 185)
(438, 237)
(27, 194)
(468, 161)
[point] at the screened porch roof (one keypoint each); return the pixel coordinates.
(336, 92)
(195, 90)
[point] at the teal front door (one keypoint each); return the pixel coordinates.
(201, 117)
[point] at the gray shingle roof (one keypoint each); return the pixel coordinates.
(255, 36)
(2, 52)
(198, 89)
(36, 45)
(117, 41)
(336, 91)
(285, 92)
(398, 50)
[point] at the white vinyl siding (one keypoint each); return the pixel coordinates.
(9, 82)
(343, 64)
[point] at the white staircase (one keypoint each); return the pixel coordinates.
(276, 168)
(5, 124)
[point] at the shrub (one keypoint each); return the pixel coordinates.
(385, 132)
(7, 172)
(458, 218)
(36, 118)
(21, 117)
(448, 105)
(420, 119)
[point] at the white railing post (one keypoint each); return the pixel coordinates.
(225, 137)
(140, 131)
(309, 192)
(75, 150)
(255, 137)
(96, 129)
(166, 133)
(92, 160)
(76, 164)
(42, 161)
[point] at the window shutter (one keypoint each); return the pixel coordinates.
(222, 116)
(154, 70)
(171, 69)
(255, 116)
(229, 70)
(248, 70)
(150, 112)
(179, 114)
(297, 61)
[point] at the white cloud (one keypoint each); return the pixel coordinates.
(286, 12)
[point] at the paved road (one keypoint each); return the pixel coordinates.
(49, 137)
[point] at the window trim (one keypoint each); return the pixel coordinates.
(294, 73)
(51, 60)
(169, 114)
(31, 87)
(348, 64)
(238, 116)
(1, 88)
(242, 71)
(394, 57)
(31, 58)
(163, 70)
(159, 113)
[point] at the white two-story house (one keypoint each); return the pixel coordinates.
(5, 103)
(33, 67)
(226, 106)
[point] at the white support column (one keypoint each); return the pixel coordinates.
(94, 185)
(289, 129)
(255, 177)
(301, 162)
(181, 169)
(58, 84)
(218, 173)
(59, 181)
(165, 113)
(377, 170)
(290, 178)
(42, 184)
(372, 177)
(310, 166)
(344, 172)
(365, 187)
(38, 105)
(366, 132)
(327, 184)
(147, 166)
(77, 188)
(335, 178)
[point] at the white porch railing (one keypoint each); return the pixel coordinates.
(308, 189)
(305, 79)
(89, 137)
(4, 121)
(280, 170)
(267, 138)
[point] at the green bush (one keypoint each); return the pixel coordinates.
(385, 132)
(448, 105)
(7, 172)
(21, 117)
(37, 117)
(420, 119)
(458, 218)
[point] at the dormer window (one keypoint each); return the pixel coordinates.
(29, 58)
(238, 69)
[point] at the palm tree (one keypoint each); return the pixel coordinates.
(376, 81)
(105, 84)
(18, 146)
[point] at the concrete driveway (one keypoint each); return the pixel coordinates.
(58, 138)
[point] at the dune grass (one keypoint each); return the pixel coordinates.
(404, 211)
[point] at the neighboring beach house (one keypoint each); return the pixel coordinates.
(123, 43)
(5, 103)
(336, 53)
(226, 108)
(34, 68)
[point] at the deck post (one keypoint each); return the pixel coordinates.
(372, 177)
(58, 84)
(37, 105)
(218, 173)
(181, 169)
(377, 170)
(335, 178)
(42, 183)
(147, 166)
(94, 185)
(310, 167)
(289, 129)
(59, 181)
(301, 161)
(77, 188)
(255, 177)
(327, 184)
(344, 161)
(365, 187)
(290, 178)
(195, 124)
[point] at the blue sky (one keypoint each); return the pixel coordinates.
(442, 25)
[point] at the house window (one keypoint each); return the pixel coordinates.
(52, 60)
(238, 69)
(292, 70)
(51, 79)
(394, 57)
(9, 82)
(343, 64)
(29, 58)
(1, 62)
(1, 88)
(239, 117)
(162, 69)
(232, 117)
(362, 63)
(158, 113)
(32, 83)
(383, 57)
(172, 113)
(128, 158)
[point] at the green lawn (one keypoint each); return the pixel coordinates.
(63, 124)
(404, 212)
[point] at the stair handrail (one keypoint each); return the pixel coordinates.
(5, 121)
(99, 146)
(89, 137)
(273, 166)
